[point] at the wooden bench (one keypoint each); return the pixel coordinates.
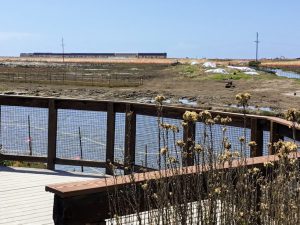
(82, 203)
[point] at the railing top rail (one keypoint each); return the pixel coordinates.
(103, 185)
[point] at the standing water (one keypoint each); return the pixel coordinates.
(287, 74)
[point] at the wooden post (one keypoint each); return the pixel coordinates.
(110, 136)
(130, 132)
(52, 132)
(189, 140)
(274, 136)
(257, 136)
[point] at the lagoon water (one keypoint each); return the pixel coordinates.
(287, 74)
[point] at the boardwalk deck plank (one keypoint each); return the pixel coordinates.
(23, 199)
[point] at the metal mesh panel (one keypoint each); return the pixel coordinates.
(119, 137)
(81, 134)
(23, 130)
(173, 150)
(266, 141)
(147, 147)
(233, 134)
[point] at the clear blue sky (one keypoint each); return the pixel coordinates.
(182, 28)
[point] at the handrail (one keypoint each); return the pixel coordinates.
(66, 190)
(278, 127)
(88, 104)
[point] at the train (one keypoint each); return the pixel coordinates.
(96, 55)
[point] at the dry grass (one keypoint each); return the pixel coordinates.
(225, 62)
(281, 63)
(171, 81)
(100, 60)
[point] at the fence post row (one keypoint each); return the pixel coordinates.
(52, 134)
(52, 77)
(130, 133)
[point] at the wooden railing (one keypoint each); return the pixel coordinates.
(87, 202)
(277, 128)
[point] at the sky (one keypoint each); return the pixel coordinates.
(182, 28)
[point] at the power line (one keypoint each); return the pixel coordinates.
(257, 42)
(63, 48)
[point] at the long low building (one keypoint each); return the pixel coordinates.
(96, 55)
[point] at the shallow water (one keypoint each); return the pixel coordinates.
(251, 107)
(287, 74)
(186, 101)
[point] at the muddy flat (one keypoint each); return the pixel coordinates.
(177, 80)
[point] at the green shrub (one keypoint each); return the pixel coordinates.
(254, 64)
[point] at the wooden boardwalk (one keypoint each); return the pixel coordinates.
(23, 199)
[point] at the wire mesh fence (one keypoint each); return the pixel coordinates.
(213, 135)
(119, 153)
(266, 142)
(83, 78)
(24, 130)
(151, 138)
(81, 134)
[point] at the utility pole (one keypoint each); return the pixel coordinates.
(63, 48)
(257, 42)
